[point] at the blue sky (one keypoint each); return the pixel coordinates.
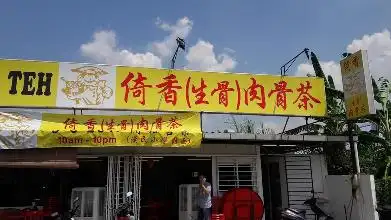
(263, 34)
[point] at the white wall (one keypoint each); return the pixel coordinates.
(319, 173)
(340, 196)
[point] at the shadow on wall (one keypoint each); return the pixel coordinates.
(363, 207)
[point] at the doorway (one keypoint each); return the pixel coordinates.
(49, 189)
(271, 177)
(161, 178)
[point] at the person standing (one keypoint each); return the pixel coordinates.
(204, 199)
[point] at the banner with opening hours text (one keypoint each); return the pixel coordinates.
(43, 130)
(72, 85)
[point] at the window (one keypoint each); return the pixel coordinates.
(235, 173)
(183, 197)
(88, 203)
(194, 197)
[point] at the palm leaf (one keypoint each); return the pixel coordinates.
(367, 137)
(333, 93)
(318, 69)
(376, 92)
(331, 82)
(384, 91)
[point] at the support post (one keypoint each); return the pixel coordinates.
(353, 149)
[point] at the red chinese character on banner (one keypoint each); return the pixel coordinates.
(200, 93)
(70, 124)
(305, 97)
(223, 89)
(110, 125)
(169, 87)
(124, 124)
(174, 140)
(90, 123)
(252, 94)
(143, 139)
(138, 88)
(134, 139)
(174, 123)
(143, 123)
(158, 123)
(281, 90)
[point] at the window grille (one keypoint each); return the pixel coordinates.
(233, 172)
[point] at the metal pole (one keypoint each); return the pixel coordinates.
(284, 68)
(174, 58)
(353, 149)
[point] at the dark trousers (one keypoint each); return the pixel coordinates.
(204, 213)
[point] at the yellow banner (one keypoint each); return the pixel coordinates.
(73, 85)
(169, 130)
(165, 90)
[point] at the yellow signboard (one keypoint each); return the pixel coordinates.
(357, 85)
(28, 83)
(153, 89)
(170, 130)
(130, 88)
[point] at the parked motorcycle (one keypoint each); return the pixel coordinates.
(67, 215)
(296, 214)
(124, 212)
(293, 214)
(319, 212)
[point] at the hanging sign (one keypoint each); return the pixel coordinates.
(70, 85)
(35, 130)
(357, 85)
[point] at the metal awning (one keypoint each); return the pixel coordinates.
(59, 158)
(231, 142)
(275, 143)
(274, 138)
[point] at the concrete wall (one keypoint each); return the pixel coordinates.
(362, 207)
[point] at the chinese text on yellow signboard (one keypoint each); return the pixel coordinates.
(357, 85)
(69, 85)
(60, 130)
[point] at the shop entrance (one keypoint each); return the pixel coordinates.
(49, 189)
(161, 179)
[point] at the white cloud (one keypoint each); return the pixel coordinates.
(202, 57)
(229, 50)
(378, 46)
(329, 68)
(379, 52)
(181, 29)
(103, 48)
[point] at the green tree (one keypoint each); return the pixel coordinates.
(338, 158)
(375, 144)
